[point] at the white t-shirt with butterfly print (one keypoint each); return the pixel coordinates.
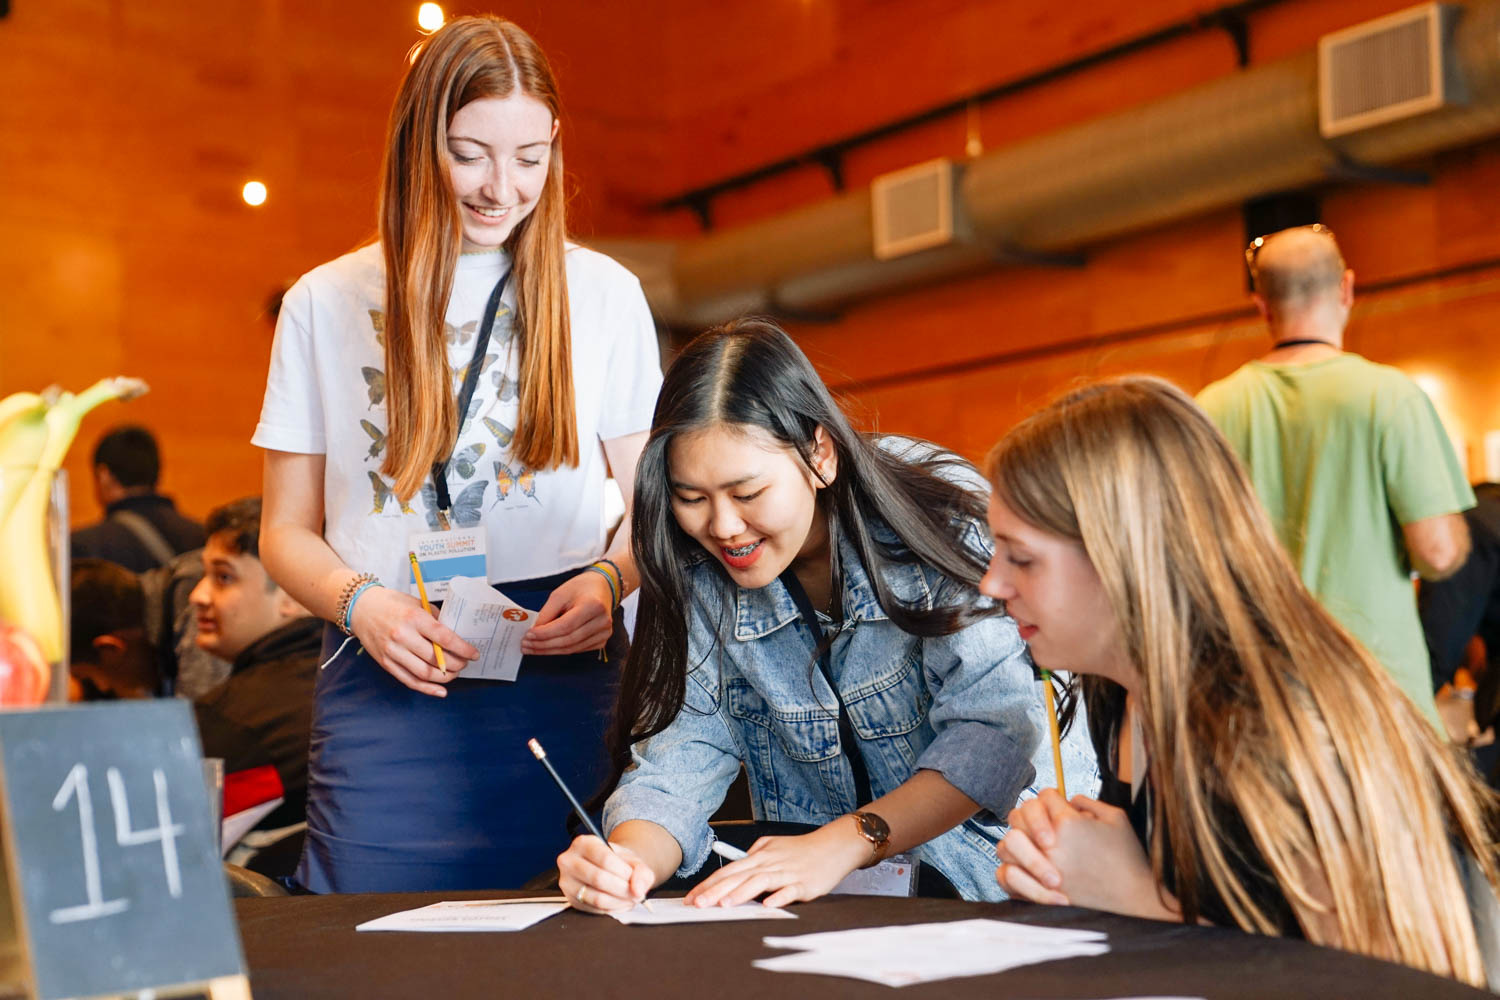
(325, 394)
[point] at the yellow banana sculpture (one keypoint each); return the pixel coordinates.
(23, 434)
(35, 433)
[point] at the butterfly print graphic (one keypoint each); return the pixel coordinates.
(382, 494)
(460, 373)
(463, 461)
(505, 386)
(377, 437)
(526, 481)
(507, 479)
(502, 433)
(375, 383)
(460, 334)
(466, 506)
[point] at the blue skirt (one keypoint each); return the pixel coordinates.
(410, 793)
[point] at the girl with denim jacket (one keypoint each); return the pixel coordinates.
(906, 720)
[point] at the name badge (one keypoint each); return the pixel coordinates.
(895, 876)
(444, 555)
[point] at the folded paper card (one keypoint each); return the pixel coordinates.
(471, 915)
(491, 622)
(675, 911)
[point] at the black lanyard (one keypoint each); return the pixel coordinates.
(847, 737)
(465, 396)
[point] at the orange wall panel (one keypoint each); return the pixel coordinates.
(129, 128)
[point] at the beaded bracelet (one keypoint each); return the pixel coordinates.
(348, 625)
(614, 594)
(356, 586)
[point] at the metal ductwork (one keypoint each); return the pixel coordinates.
(1219, 144)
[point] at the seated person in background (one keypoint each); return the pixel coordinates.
(262, 714)
(1261, 769)
(141, 528)
(171, 625)
(107, 642)
(760, 512)
(1467, 604)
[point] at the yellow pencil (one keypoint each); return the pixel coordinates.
(416, 572)
(1062, 787)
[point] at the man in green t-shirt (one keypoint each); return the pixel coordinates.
(1348, 456)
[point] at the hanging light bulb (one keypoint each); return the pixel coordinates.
(430, 17)
(973, 144)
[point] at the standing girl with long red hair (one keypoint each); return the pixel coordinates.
(472, 378)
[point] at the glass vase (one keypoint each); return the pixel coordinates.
(33, 556)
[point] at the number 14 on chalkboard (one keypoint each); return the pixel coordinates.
(76, 786)
(111, 882)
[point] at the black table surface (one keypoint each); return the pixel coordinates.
(306, 947)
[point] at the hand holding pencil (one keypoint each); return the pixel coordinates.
(395, 631)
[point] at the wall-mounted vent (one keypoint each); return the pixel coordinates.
(913, 209)
(1392, 67)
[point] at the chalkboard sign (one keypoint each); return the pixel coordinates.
(112, 881)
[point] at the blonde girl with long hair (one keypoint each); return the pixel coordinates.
(1261, 770)
(462, 388)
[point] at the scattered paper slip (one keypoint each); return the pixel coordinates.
(924, 953)
(675, 911)
(489, 621)
(472, 915)
(234, 827)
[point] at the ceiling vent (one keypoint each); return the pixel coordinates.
(913, 209)
(1390, 68)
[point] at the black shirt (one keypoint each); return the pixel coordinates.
(263, 713)
(1238, 845)
(117, 543)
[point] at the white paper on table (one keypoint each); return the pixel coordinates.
(489, 621)
(675, 911)
(232, 828)
(921, 953)
(472, 915)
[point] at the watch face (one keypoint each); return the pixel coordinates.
(873, 828)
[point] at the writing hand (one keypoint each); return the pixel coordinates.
(599, 879)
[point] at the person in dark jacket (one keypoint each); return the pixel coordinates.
(141, 529)
(1465, 605)
(261, 714)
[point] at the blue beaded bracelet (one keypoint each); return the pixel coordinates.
(346, 625)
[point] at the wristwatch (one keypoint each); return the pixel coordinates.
(877, 831)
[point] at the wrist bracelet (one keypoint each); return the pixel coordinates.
(348, 625)
(614, 595)
(619, 577)
(356, 586)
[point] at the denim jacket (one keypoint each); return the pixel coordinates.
(964, 705)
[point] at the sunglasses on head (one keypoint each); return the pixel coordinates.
(1253, 250)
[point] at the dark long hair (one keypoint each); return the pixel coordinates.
(749, 373)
